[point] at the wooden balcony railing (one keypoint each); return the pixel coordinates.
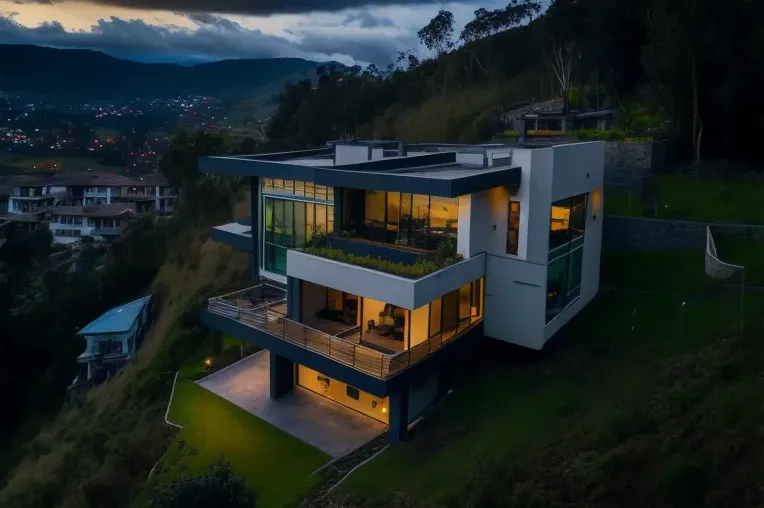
(268, 317)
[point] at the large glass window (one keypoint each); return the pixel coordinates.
(415, 220)
(566, 248)
(288, 224)
(297, 188)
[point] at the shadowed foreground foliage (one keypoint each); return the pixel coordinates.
(218, 487)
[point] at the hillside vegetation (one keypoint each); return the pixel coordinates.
(655, 63)
(98, 451)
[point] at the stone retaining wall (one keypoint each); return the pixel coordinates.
(626, 163)
(634, 233)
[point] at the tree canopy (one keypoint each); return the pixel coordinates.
(698, 63)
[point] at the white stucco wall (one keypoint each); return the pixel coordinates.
(516, 285)
(350, 154)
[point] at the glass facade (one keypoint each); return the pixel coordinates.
(566, 248)
(289, 223)
(300, 189)
(413, 220)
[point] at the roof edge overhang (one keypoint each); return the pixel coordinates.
(372, 175)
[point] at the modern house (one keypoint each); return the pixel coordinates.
(113, 338)
(357, 297)
(70, 223)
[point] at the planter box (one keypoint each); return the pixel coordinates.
(402, 292)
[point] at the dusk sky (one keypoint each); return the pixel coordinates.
(348, 31)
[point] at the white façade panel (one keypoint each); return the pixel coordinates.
(515, 299)
(351, 154)
(578, 168)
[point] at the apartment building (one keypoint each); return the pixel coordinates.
(352, 296)
(80, 204)
(69, 224)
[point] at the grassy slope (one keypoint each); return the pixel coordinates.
(546, 430)
(100, 454)
(705, 200)
(450, 117)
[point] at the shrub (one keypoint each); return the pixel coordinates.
(411, 271)
(218, 487)
(610, 135)
(511, 133)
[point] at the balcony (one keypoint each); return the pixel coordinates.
(107, 231)
(264, 308)
(409, 293)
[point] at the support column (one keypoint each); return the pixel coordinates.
(338, 200)
(294, 299)
(282, 375)
(399, 414)
(254, 216)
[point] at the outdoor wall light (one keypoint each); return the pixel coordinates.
(208, 362)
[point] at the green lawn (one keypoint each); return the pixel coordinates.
(688, 198)
(587, 381)
(274, 464)
(622, 201)
(744, 253)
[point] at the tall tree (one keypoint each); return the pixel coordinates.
(437, 35)
(560, 60)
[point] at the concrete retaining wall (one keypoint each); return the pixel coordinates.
(629, 233)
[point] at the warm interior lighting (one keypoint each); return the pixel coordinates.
(384, 409)
(596, 197)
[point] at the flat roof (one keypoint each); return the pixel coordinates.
(113, 210)
(435, 174)
(117, 320)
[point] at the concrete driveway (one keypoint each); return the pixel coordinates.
(330, 427)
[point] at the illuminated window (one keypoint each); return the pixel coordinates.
(513, 232)
(566, 247)
(374, 208)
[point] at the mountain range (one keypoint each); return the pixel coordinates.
(86, 74)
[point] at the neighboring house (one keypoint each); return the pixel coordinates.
(31, 199)
(527, 223)
(69, 224)
(32, 195)
(89, 188)
(113, 338)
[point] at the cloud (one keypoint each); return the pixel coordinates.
(215, 38)
(368, 20)
(249, 7)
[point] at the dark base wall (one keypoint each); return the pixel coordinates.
(630, 233)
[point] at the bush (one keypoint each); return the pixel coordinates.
(219, 487)
(511, 133)
(414, 271)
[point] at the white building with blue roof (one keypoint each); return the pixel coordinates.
(113, 337)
